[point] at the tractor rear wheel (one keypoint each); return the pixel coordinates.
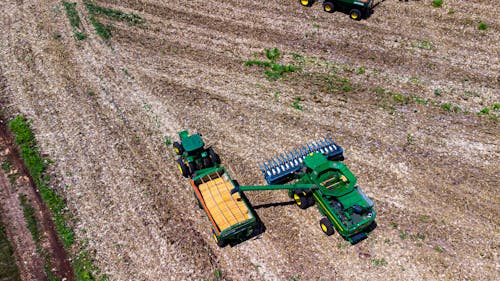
(214, 156)
(192, 167)
(178, 149)
(355, 14)
(207, 163)
(326, 226)
(328, 7)
(301, 200)
(306, 3)
(182, 168)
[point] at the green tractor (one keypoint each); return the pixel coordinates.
(314, 175)
(356, 9)
(193, 156)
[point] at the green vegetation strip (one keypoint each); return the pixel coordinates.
(112, 13)
(102, 30)
(24, 138)
(8, 267)
(74, 20)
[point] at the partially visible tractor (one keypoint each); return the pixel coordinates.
(231, 215)
(357, 9)
(193, 155)
(314, 174)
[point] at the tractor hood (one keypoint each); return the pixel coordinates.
(355, 197)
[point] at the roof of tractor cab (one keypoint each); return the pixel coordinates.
(192, 143)
(315, 160)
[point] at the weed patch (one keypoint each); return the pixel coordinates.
(296, 103)
(74, 20)
(379, 262)
(482, 26)
(437, 3)
(273, 70)
(112, 13)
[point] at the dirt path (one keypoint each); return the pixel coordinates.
(101, 111)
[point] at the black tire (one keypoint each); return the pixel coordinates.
(215, 158)
(193, 167)
(178, 149)
(326, 226)
(207, 163)
(220, 243)
(183, 168)
(306, 3)
(310, 200)
(300, 200)
(328, 7)
(355, 14)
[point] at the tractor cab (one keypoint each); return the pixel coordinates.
(193, 156)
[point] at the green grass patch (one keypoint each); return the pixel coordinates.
(379, 262)
(437, 3)
(6, 166)
(36, 165)
(296, 103)
(273, 70)
(482, 26)
(425, 45)
(8, 267)
(446, 106)
(30, 217)
(74, 20)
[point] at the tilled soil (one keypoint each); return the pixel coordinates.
(101, 111)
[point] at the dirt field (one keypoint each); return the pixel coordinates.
(399, 91)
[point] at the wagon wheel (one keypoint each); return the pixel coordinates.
(326, 226)
(301, 201)
(306, 3)
(178, 149)
(355, 14)
(182, 168)
(215, 158)
(328, 7)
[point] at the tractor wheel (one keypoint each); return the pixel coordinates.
(306, 3)
(326, 226)
(207, 163)
(355, 14)
(328, 7)
(193, 167)
(214, 156)
(178, 149)
(310, 200)
(301, 201)
(220, 243)
(182, 168)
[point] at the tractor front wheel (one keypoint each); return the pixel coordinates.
(355, 14)
(192, 167)
(326, 226)
(178, 149)
(328, 7)
(182, 168)
(306, 3)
